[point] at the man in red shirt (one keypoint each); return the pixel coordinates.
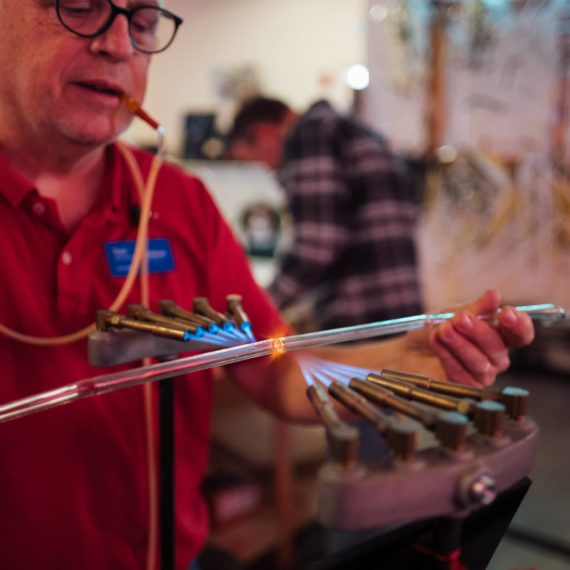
(73, 479)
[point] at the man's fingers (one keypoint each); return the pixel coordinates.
(475, 344)
(473, 350)
(462, 361)
(515, 327)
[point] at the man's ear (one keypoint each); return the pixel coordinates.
(240, 149)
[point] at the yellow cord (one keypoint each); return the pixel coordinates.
(146, 191)
(139, 262)
(148, 393)
(152, 546)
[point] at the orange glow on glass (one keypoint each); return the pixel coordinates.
(278, 346)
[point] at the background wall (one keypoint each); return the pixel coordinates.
(299, 49)
(499, 216)
(501, 66)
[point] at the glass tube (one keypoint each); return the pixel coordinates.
(115, 381)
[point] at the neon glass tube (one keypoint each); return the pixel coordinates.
(115, 381)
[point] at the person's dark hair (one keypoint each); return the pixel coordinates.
(256, 110)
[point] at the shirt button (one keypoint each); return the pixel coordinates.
(66, 258)
(38, 208)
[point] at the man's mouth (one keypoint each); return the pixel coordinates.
(102, 87)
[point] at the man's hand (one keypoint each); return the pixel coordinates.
(474, 350)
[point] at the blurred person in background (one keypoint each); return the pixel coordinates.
(353, 206)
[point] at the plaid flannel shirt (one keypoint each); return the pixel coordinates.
(354, 212)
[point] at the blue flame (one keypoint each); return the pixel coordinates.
(326, 371)
(236, 333)
(198, 334)
(322, 377)
(308, 377)
(224, 339)
(304, 364)
(229, 338)
(347, 371)
(246, 329)
(214, 339)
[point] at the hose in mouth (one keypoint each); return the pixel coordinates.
(135, 108)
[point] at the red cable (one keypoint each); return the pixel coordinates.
(452, 558)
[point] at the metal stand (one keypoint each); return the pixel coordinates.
(478, 536)
(111, 348)
(166, 477)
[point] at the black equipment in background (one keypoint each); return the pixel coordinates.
(199, 129)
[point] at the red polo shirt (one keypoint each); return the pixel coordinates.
(73, 479)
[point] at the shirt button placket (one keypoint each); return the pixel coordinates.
(38, 208)
(66, 258)
(65, 302)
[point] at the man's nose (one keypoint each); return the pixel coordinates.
(115, 42)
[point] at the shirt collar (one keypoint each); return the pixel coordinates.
(13, 186)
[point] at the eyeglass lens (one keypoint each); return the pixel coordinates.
(151, 29)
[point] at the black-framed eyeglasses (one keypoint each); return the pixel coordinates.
(151, 28)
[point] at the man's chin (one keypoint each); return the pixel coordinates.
(91, 142)
(92, 137)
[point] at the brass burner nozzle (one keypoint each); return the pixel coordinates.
(451, 430)
(202, 307)
(140, 312)
(400, 438)
(235, 309)
(412, 392)
(514, 399)
(171, 309)
(384, 397)
(342, 438)
(108, 320)
(427, 383)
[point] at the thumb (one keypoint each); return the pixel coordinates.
(487, 304)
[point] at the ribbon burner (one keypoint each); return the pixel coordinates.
(486, 443)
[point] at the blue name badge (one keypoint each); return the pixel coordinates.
(120, 256)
